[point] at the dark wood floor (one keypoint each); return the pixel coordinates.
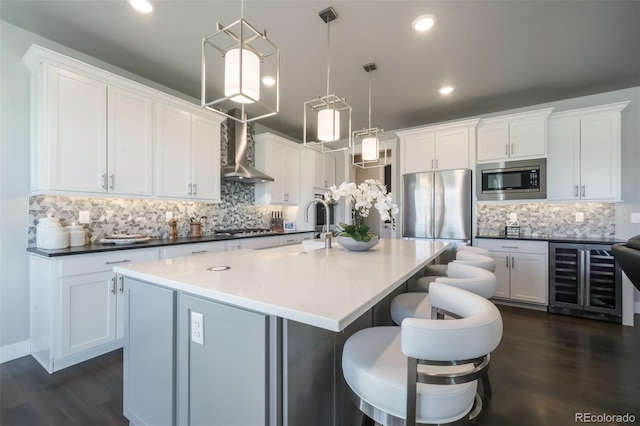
(546, 369)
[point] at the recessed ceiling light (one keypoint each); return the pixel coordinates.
(424, 23)
(446, 90)
(267, 80)
(143, 6)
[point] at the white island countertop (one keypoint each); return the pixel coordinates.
(323, 288)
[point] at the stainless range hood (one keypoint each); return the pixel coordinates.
(237, 169)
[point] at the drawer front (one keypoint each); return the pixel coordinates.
(193, 249)
(260, 242)
(286, 240)
(513, 246)
(98, 262)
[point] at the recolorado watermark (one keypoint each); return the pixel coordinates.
(604, 418)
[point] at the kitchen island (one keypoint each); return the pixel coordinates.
(254, 337)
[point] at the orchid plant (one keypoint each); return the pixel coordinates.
(361, 198)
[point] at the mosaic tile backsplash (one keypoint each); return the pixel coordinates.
(117, 215)
(550, 219)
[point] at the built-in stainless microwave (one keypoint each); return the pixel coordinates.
(512, 180)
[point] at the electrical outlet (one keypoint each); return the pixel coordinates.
(168, 216)
(197, 328)
(635, 217)
(579, 217)
(84, 217)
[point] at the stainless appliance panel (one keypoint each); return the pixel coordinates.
(452, 204)
(418, 205)
(522, 193)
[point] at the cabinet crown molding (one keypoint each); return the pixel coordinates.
(614, 107)
(517, 116)
(268, 136)
(402, 134)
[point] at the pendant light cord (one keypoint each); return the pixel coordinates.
(328, 54)
(370, 76)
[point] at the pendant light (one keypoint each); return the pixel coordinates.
(369, 141)
(245, 51)
(330, 111)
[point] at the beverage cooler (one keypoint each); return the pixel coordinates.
(585, 281)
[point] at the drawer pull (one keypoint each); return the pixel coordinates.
(198, 251)
(113, 262)
(511, 247)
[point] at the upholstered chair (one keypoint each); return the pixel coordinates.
(426, 370)
(440, 269)
(465, 256)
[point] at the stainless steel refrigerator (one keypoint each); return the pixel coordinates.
(437, 205)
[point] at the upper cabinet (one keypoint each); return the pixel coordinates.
(278, 158)
(92, 133)
(319, 170)
(584, 154)
(441, 147)
(513, 137)
(188, 154)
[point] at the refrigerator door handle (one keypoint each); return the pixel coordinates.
(586, 283)
(438, 205)
(581, 277)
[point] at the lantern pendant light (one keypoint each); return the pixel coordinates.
(370, 142)
(245, 51)
(330, 110)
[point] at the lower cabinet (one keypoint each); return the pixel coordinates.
(521, 269)
(77, 306)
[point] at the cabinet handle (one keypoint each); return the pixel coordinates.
(507, 264)
(121, 288)
(577, 191)
(195, 189)
(511, 247)
(513, 262)
(113, 285)
(189, 189)
(436, 163)
(198, 251)
(506, 149)
(432, 163)
(113, 262)
(583, 190)
(511, 149)
(325, 183)
(111, 180)
(104, 180)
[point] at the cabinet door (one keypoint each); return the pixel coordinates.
(87, 312)
(493, 142)
(318, 169)
(130, 143)
(205, 158)
(232, 356)
(290, 175)
(502, 274)
(173, 163)
(528, 137)
(329, 171)
(149, 354)
(419, 154)
(452, 150)
(563, 163)
(599, 156)
(77, 130)
(277, 171)
(529, 278)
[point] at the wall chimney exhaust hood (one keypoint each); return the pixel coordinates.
(237, 169)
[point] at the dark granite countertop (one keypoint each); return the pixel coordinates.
(556, 239)
(159, 242)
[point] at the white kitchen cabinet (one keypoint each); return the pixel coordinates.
(279, 158)
(513, 137)
(193, 249)
(77, 306)
(441, 147)
(584, 154)
(188, 154)
(88, 136)
(261, 242)
(521, 269)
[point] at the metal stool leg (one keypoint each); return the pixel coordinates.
(486, 386)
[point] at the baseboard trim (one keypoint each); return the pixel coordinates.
(14, 351)
(636, 308)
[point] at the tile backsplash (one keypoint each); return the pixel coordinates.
(118, 215)
(557, 219)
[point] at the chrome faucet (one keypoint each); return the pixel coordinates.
(327, 219)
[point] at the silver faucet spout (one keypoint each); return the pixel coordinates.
(327, 219)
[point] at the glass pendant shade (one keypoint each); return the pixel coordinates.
(328, 125)
(370, 149)
(250, 76)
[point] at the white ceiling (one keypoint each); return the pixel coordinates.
(498, 54)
